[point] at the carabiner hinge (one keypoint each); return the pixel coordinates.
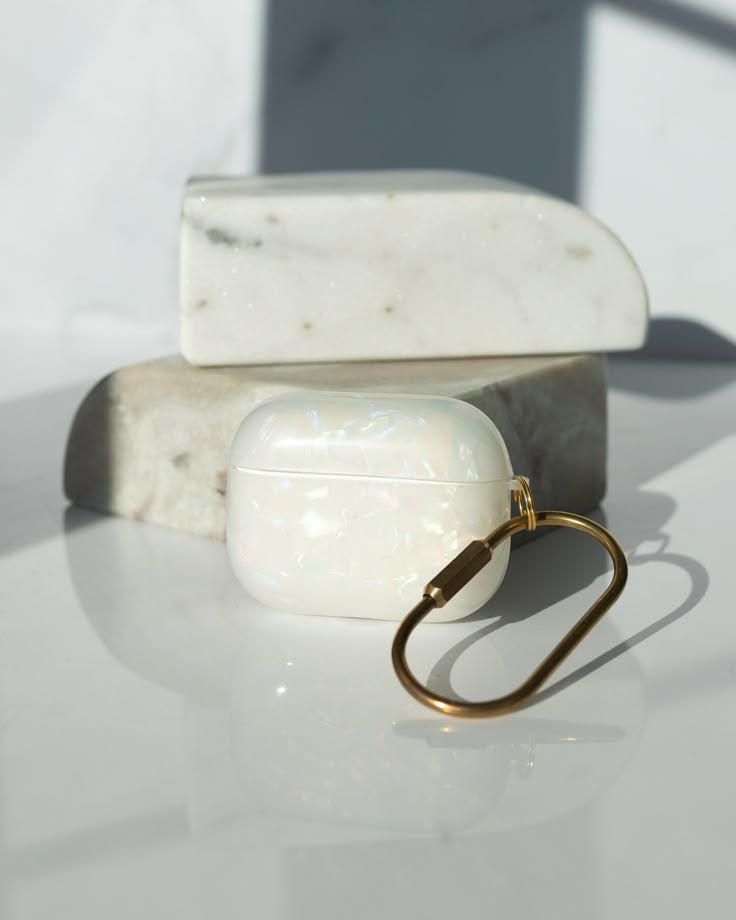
(523, 495)
(456, 574)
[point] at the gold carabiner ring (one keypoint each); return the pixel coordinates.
(467, 564)
(523, 496)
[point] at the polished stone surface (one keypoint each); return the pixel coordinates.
(169, 748)
(412, 264)
(151, 441)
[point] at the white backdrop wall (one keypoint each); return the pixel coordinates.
(108, 107)
(659, 150)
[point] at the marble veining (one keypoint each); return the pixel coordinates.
(397, 265)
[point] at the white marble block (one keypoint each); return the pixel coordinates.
(151, 441)
(359, 266)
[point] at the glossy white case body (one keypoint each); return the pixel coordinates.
(347, 504)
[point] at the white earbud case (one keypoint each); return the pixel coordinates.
(347, 504)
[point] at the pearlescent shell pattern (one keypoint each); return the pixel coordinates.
(400, 437)
(347, 505)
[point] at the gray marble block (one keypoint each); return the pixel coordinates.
(151, 441)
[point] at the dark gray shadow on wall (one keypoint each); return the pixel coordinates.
(492, 87)
(703, 25)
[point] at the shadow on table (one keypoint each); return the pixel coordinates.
(697, 412)
(546, 572)
(34, 433)
(681, 339)
(706, 362)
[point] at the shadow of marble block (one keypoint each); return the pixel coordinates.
(151, 441)
(425, 84)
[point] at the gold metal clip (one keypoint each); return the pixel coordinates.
(446, 584)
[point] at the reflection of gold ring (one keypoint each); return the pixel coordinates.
(459, 572)
(523, 496)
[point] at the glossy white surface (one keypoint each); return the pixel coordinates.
(425, 438)
(392, 264)
(169, 748)
(346, 504)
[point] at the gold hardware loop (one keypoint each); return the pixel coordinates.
(523, 496)
(467, 564)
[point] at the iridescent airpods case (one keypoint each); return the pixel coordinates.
(346, 504)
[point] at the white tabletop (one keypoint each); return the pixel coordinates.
(171, 748)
